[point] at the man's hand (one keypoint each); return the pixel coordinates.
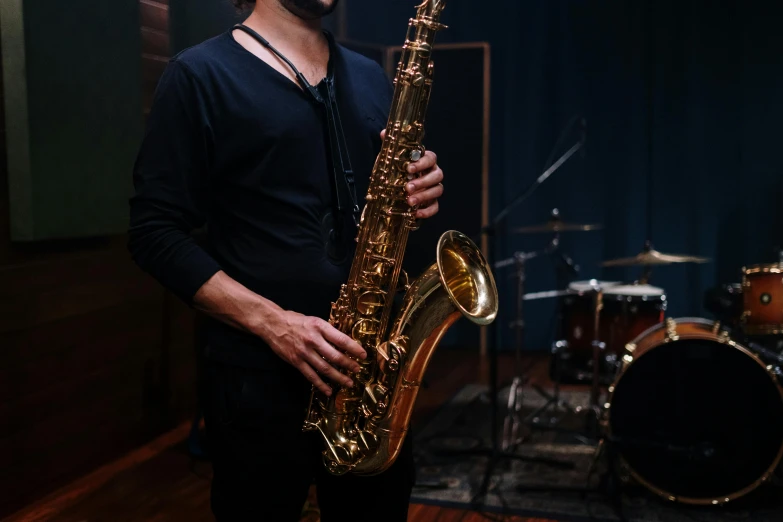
(306, 344)
(425, 185)
(311, 345)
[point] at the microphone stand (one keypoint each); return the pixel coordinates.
(495, 453)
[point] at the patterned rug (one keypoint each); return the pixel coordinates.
(560, 475)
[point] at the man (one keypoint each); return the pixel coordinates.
(237, 145)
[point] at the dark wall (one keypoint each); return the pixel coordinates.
(682, 107)
(73, 77)
(95, 359)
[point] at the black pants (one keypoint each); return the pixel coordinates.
(264, 464)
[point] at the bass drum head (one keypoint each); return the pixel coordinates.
(697, 420)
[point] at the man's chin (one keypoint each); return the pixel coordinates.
(310, 9)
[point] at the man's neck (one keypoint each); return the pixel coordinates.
(277, 24)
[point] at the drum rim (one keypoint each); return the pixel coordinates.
(763, 268)
(614, 291)
(604, 284)
(709, 334)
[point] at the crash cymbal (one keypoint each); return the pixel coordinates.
(554, 226)
(653, 257)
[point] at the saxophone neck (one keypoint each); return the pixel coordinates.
(428, 14)
(430, 9)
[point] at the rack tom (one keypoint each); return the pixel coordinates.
(762, 296)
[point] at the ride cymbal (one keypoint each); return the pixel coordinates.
(556, 226)
(653, 257)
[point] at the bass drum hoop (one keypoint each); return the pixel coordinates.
(711, 331)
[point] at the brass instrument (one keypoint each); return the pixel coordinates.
(363, 426)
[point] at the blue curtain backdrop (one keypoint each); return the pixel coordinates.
(682, 101)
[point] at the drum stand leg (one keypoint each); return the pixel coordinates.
(554, 399)
(513, 422)
(594, 413)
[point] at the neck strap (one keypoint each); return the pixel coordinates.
(341, 161)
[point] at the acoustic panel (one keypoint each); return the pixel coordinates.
(457, 130)
(74, 120)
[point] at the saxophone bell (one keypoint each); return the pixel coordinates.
(458, 284)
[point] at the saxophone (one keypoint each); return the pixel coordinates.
(363, 426)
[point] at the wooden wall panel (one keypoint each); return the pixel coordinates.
(96, 358)
(155, 46)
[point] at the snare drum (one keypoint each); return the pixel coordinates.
(577, 314)
(629, 310)
(573, 351)
(626, 311)
(762, 291)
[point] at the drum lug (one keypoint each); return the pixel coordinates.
(775, 371)
(671, 330)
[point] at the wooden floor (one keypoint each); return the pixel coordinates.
(160, 482)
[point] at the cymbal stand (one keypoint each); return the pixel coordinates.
(494, 453)
(511, 423)
(599, 347)
(513, 420)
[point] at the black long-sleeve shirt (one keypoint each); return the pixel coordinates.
(236, 148)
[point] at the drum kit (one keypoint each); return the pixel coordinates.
(691, 408)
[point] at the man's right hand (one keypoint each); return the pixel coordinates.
(311, 345)
(314, 347)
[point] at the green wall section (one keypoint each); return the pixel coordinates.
(72, 76)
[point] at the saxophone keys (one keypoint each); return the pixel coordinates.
(369, 302)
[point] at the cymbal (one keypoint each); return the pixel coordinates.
(554, 226)
(653, 257)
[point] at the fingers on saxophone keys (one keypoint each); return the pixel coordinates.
(426, 195)
(338, 359)
(316, 381)
(323, 368)
(428, 211)
(341, 341)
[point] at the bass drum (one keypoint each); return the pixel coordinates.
(694, 416)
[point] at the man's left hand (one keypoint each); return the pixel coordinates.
(425, 189)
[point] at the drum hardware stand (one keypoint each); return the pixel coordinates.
(554, 400)
(514, 405)
(494, 453)
(512, 422)
(599, 347)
